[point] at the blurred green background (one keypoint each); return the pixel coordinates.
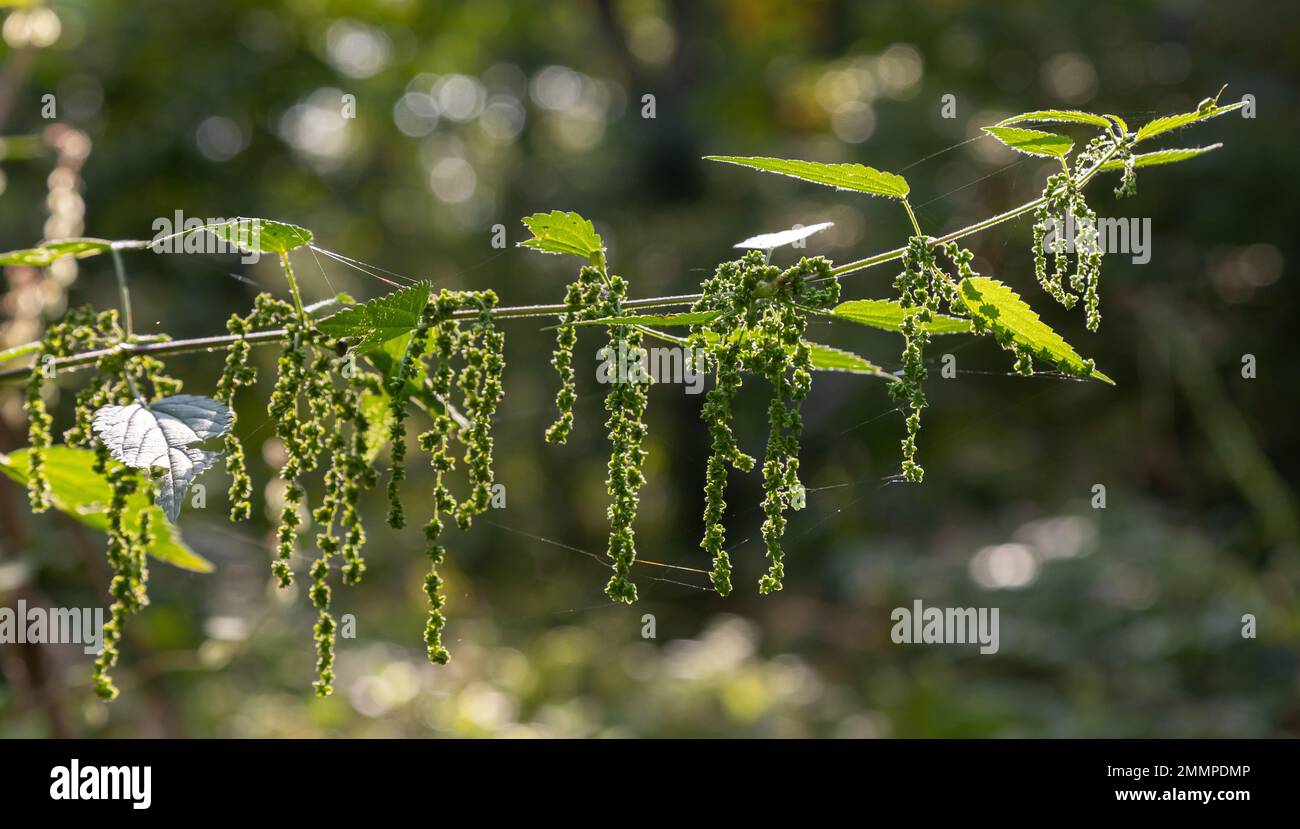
(1117, 622)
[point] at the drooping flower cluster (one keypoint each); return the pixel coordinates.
(129, 562)
(268, 312)
(920, 288)
(480, 347)
(626, 403)
(316, 407)
(81, 330)
(119, 377)
(758, 328)
(1072, 225)
(581, 301)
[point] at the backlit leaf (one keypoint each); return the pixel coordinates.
(81, 493)
(560, 232)
(1033, 142)
(1010, 318)
(47, 252)
(888, 314)
(855, 177)
(1161, 157)
(371, 324)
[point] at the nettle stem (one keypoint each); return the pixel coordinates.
(293, 285)
(969, 230)
(519, 311)
(124, 294)
(88, 358)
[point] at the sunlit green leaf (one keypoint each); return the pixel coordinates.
(823, 357)
(1072, 116)
(888, 314)
(371, 324)
(1161, 157)
(47, 252)
(560, 232)
(159, 438)
(388, 356)
(772, 241)
(260, 235)
(378, 411)
(829, 358)
(1172, 122)
(1001, 309)
(855, 177)
(78, 491)
(1033, 142)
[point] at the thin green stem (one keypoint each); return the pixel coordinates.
(293, 285)
(88, 358)
(123, 293)
(518, 311)
(969, 230)
(907, 205)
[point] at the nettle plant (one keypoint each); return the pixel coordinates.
(347, 380)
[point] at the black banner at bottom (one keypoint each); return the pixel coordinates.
(211, 778)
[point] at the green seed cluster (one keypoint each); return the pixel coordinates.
(716, 413)
(732, 291)
(481, 390)
(82, 329)
(316, 408)
(119, 378)
(399, 395)
(921, 286)
(1123, 143)
(352, 473)
(347, 473)
(479, 348)
(780, 354)
(447, 343)
(625, 402)
(1063, 197)
(128, 560)
(268, 312)
(759, 329)
(579, 301)
(302, 373)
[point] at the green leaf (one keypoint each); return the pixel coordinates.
(889, 315)
(1001, 309)
(1071, 116)
(378, 412)
(823, 357)
(1161, 157)
(854, 177)
(47, 252)
(829, 358)
(78, 491)
(388, 356)
(22, 350)
(559, 232)
(368, 326)
(259, 235)
(1033, 142)
(686, 318)
(1172, 122)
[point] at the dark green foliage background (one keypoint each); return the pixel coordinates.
(1136, 635)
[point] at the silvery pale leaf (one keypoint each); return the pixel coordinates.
(158, 436)
(770, 241)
